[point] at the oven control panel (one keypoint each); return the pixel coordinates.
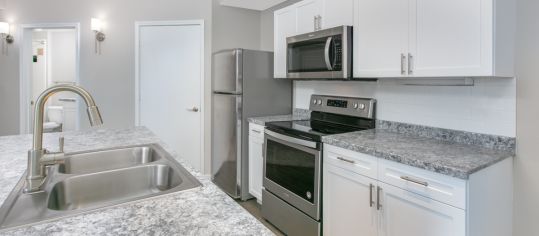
(358, 107)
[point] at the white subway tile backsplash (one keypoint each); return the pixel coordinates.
(487, 107)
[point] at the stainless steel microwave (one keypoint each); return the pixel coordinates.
(324, 54)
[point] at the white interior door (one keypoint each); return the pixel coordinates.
(170, 77)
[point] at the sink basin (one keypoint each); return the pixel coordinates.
(114, 159)
(93, 180)
(116, 185)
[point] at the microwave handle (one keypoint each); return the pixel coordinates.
(326, 53)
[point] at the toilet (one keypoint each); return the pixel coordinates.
(55, 119)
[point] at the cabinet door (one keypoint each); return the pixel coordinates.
(284, 26)
(349, 203)
(337, 13)
(404, 213)
(380, 37)
(450, 38)
(256, 147)
(307, 11)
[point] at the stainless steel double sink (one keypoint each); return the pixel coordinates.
(93, 180)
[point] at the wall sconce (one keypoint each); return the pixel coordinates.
(97, 27)
(5, 36)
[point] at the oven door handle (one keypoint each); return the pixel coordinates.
(293, 140)
(326, 53)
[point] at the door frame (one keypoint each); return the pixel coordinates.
(138, 26)
(24, 74)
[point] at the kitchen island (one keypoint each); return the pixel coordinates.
(203, 210)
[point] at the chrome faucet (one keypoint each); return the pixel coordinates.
(39, 158)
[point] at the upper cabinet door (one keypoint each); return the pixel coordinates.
(307, 13)
(284, 26)
(450, 38)
(406, 213)
(380, 38)
(337, 12)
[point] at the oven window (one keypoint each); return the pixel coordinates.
(291, 168)
(307, 56)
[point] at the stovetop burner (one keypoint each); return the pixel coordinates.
(330, 115)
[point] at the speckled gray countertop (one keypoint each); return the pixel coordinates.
(204, 210)
(449, 155)
(298, 114)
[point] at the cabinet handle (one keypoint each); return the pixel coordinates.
(415, 181)
(371, 188)
(403, 59)
(378, 192)
(410, 63)
(315, 21)
(257, 131)
(346, 160)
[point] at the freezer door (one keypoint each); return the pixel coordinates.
(226, 143)
(227, 71)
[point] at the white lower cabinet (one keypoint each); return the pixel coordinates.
(400, 200)
(256, 160)
(349, 204)
(403, 213)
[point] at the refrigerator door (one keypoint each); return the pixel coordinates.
(227, 71)
(226, 143)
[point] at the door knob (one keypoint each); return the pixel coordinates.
(194, 109)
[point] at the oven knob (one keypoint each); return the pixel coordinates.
(314, 101)
(309, 195)
(356, 106)
(319, 102)
(362, 106)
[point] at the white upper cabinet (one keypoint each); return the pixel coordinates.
(308, 12)
(380, 38)
(438, 38)
(337, 12)
(285, 26)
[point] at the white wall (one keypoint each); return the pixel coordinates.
(488, 107)
(526, 165)
(235, 28)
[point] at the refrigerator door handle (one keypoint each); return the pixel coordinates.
(227, 92)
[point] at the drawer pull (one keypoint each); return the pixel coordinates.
(346, 160)
(257, 131)
(424, 183)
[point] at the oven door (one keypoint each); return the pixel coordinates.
(292, 171)
(323, 54)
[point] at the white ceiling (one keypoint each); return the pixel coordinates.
(258, 5)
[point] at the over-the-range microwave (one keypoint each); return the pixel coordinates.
(324, 54)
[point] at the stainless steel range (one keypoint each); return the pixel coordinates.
(292, 197)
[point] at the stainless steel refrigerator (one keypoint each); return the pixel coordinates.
(243, 87)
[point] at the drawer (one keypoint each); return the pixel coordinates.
(256, 130)
(359, 163)
(442, 188)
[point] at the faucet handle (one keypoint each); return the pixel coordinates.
(61, 144)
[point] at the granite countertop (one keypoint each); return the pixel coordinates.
(204, 210)
(448, 157)
(298, 114)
